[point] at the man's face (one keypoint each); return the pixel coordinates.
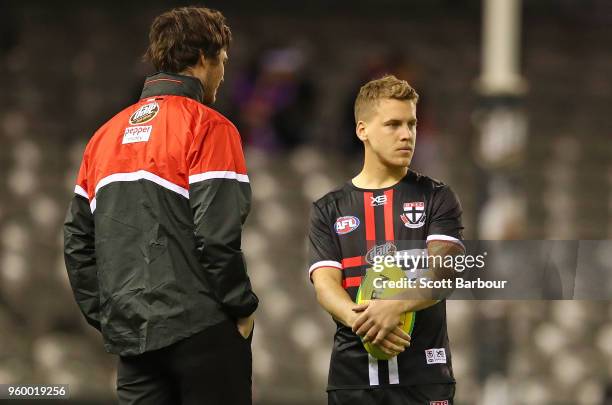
(389, 132)
(210, 72)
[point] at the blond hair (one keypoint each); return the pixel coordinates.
(373, 91)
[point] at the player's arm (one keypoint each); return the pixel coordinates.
(326, 275)
(331, 296)
(325, 270)
(444, 240)
(80, 254)
(336, 301)
(218, 193)
(439, 270)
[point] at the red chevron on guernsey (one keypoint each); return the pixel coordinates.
(351, 282)
(352, 262)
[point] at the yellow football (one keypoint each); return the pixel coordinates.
(367, 291)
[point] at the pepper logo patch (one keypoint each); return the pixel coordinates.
(140, 133)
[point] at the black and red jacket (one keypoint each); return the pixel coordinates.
(152, 237)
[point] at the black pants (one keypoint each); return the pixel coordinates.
(439, 394)
(212, 367)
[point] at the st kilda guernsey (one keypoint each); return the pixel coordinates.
(350, 226)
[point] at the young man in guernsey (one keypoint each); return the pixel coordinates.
(386, 208)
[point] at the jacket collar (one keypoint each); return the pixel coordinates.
(162, 83)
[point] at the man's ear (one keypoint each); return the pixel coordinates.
(361, 131)
(203, 61)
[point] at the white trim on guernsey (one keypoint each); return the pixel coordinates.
(195, 178)
(393, 371)
(373, 369)
(445, 238)
(324, 263)
(80, 191)
(135, 176)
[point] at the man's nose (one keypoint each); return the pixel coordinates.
(405, 133)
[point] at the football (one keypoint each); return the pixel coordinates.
(368, 291)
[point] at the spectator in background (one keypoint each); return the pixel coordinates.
(274, 100)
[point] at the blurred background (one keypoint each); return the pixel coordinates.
(513, 115)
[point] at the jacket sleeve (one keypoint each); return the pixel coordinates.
(79, 252)
(220, 195)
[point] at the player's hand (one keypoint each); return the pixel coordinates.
(377, 320)
(352, 314)
(395, 342)
(245, 325)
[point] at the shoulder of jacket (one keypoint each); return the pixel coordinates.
(119, 119)
(213, 117)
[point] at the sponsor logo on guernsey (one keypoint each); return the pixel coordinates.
(140, 133)
(378, 200)
(345, 225)
(144, 114)
(445, 402)
(414, 214)
(435, 356)
(388, 249)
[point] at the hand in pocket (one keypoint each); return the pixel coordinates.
(245, 326)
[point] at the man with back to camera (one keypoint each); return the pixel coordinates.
(152, 236)
(384, 209)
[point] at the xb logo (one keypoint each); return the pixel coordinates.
(379, 200)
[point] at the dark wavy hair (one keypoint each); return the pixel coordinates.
(178, 37)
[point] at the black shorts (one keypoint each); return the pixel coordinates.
(213, 367)
(429, 394)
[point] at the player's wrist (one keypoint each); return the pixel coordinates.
(407, 305)
(349, 317)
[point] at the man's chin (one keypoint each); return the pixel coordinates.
(401, 163)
